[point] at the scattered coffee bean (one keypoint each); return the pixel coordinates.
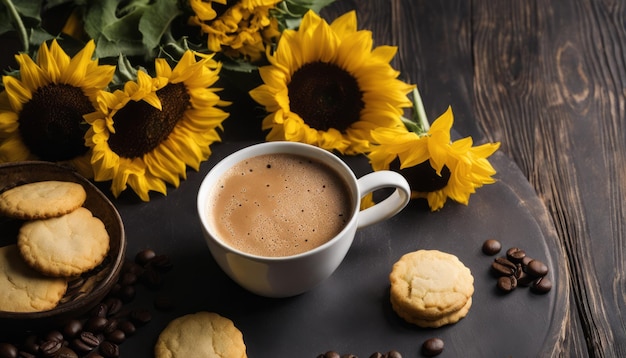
(95, 324)
(348, 356)
(432, 347)
(151, 279)
(8, 350)
(66, 352)
(541, 285)
(127, 293)
(50, 348)
(393, 354)
(515, 254)
(101, 310)
(144, 256)
(127, 327)
(115, 306)
(109, 349)
(537, 268)
(31, 344)
(491, 247)
(72, 328)
(329, 354)
(141, 316)
(507, 283)
(377, 355)
(162, 263)
(518, 269)
(117, 336)
(503, 267)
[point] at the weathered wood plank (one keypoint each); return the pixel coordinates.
(549, 83)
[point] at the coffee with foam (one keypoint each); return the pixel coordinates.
(279, 205)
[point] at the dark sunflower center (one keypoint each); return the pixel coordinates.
(139, 127)
(422, 177)
(325, 96)
(52, 124)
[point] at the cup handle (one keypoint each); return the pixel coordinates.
(391, 205)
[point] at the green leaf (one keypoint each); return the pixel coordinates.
(156, 20)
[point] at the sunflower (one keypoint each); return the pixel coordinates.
(327, 87)
(41, 112)
(436, 168)
(145, 135)
(240, 28)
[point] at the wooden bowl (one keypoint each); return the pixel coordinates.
(91, 287)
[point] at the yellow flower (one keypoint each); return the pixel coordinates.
(239, 28)
(327, 87)
(145, 135)
(41, 112)
(436, 168)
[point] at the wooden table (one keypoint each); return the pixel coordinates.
(547, 79)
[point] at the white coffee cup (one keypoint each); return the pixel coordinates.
(292, 275)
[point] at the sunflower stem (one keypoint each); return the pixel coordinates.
(21, 30)
(419, 114)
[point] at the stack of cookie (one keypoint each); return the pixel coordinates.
(59, 239)
(431, 288)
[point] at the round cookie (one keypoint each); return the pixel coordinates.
(67, 245)
(42, 200)
(428, 285)
(450, 318)
(201, 334)
(23, 289)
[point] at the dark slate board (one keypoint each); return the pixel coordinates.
(350, 312)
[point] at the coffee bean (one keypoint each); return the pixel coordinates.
(127, 293)
(8, 350)
(115, 305)
(127, 327)
(377, 355)
(330, 354)
(507, 283)
(141, 316)
(110, 326)
(524, 279)
(117, 336)
(162, 263)
(109, 349)
(50, 348)
(95, 324)
(432, 347)
(66, 352)
(86, 341)
(22, 354)
(144, 256)
(503, 267)
(31, 344)
(541, 285)
(515, 254)
(53, 335)
(132, 267)
(151, 279)
(72, 328)
(526, 260)
(393, 354)
(537, 268)
(348, 356)
(491, 247)
(101, 310)
(128, 278)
